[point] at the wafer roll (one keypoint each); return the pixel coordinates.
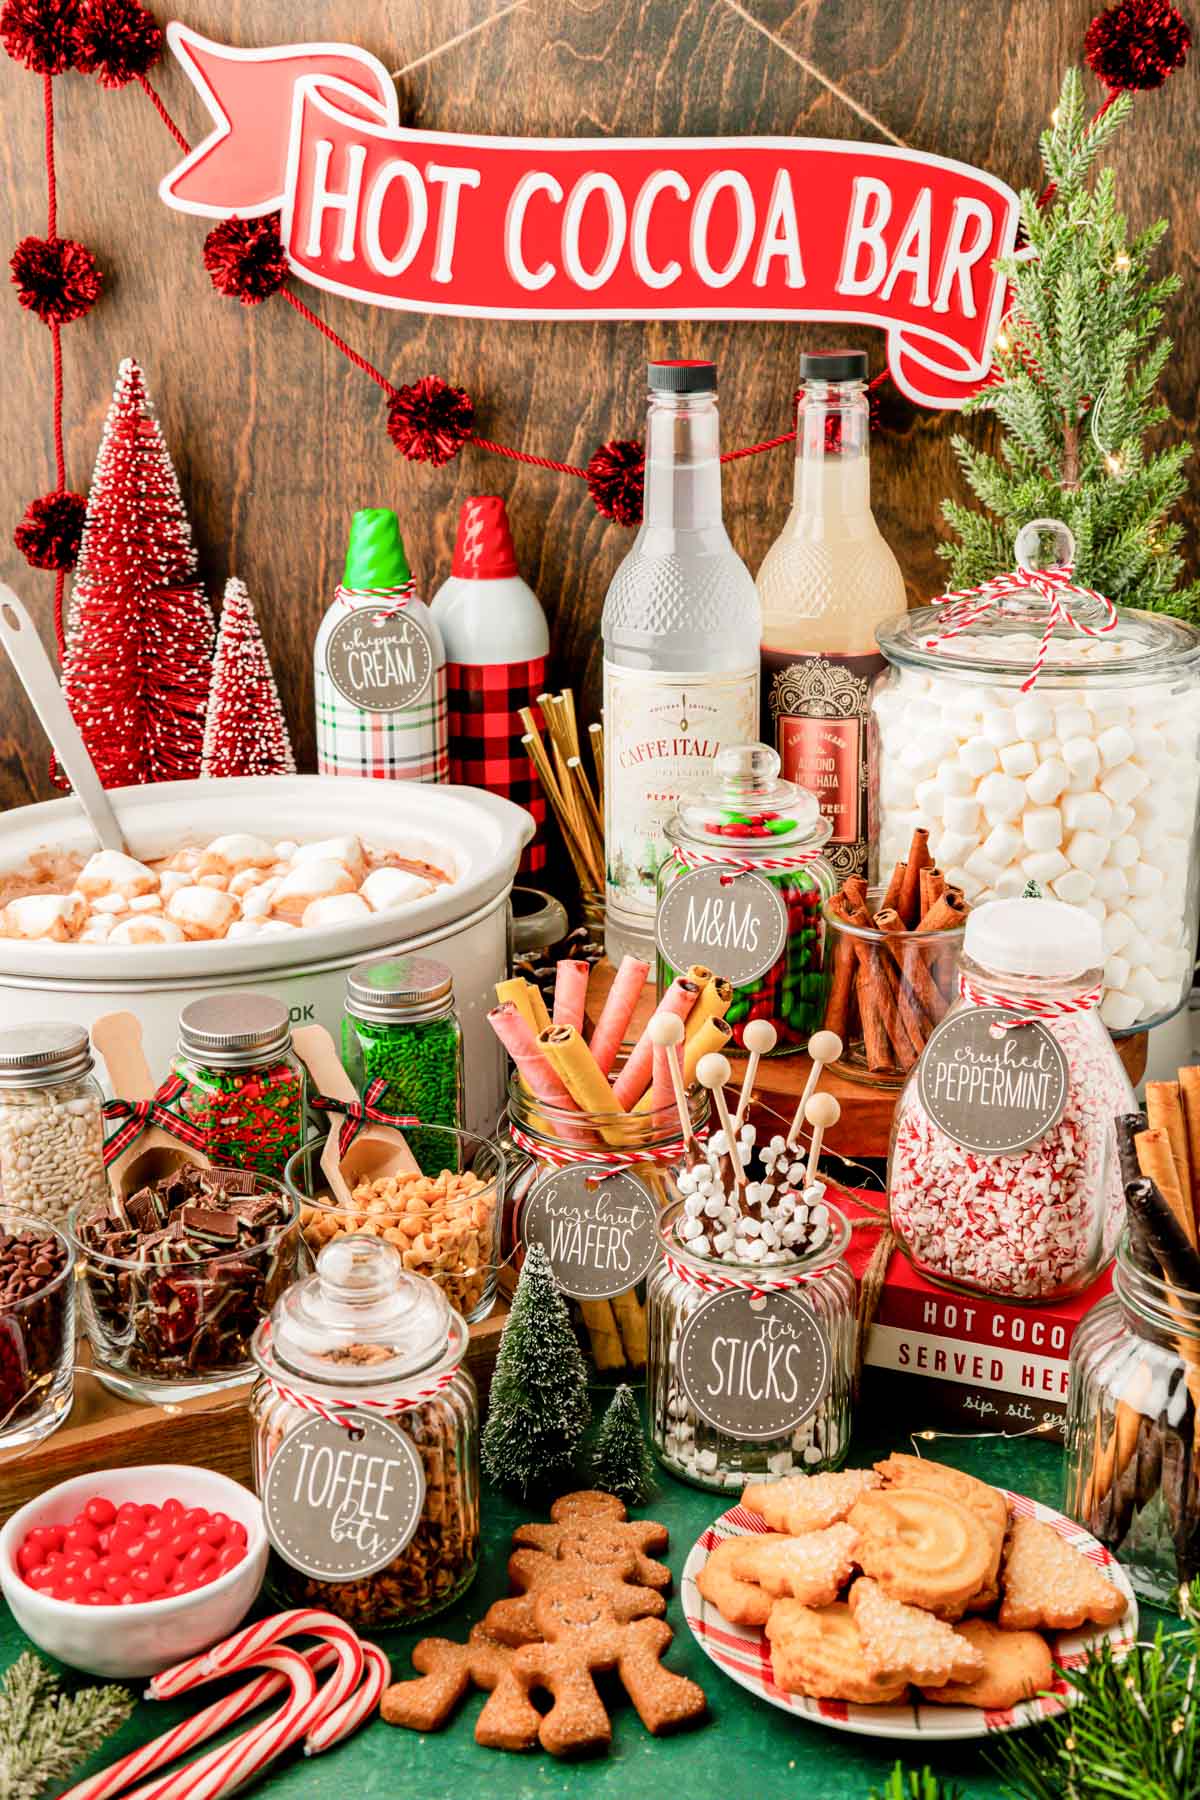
(716, 997)
(527, 1000)
(1189, 1094)
(681, 998)
(575, 1067)
(618, 1009)
(1164, 1110)
(1156, 1162)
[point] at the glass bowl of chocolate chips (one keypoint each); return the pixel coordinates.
(175, 1277)
(37, 1329)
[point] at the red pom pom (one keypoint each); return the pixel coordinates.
(1137, 43)
(245, 258)
(40, 33)
(616, 478)
(49, 533)
(56, 278)
(116, 40)
(430, 421)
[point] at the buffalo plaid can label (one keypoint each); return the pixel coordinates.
(485, 701)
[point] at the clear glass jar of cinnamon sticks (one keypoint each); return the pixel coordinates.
(891, 956)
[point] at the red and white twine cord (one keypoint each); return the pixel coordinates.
(965, 607)
(564, 1157)
(1027, 1011)
(392, 599)
(341, 1413)
(744, 865)
(757, 1286)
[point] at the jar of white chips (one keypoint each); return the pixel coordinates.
(1041, 734)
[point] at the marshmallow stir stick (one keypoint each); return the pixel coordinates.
(823, 1047)
(759, 1038)
(667, 1031)
(712, 1072)
(822, 1112)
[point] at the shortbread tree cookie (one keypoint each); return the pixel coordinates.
(739, 1601)
(903, 1643)
(813, 1568)
(801, 1503)
(1048, 1583)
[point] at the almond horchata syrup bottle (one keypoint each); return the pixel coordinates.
(826, 582)
(681, 633)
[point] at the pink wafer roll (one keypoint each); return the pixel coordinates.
(520, 1040)
(634, 1078)
(662, 1089)
(220, 1770)
(570, 992)
(618, 1009)
(347, 1717)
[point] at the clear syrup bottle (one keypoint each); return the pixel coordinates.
(825, 584)
(681, 631)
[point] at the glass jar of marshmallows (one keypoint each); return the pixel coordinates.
(1085, 781)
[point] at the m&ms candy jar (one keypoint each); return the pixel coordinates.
(741, 893)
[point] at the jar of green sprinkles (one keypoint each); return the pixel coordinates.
(401, 1027)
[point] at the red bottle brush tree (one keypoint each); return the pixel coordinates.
(140, 631)
(245, 732)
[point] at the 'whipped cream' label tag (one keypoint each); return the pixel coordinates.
(383, 663)
(340, 1505)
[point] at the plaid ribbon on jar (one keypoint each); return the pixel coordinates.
(485, 701)
(137, 1116)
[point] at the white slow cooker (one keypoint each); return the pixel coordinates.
(474, 836)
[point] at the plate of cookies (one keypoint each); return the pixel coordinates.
(905, 1601)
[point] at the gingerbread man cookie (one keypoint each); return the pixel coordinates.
(513, 1621)
(592, 1535)
(446, 1671)
(581, 1637)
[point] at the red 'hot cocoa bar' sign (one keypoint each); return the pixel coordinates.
(597, 228)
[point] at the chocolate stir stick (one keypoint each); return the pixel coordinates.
(759, 1038)
(823, 1047)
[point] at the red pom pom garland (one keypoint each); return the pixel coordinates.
(430, 421)
(1136, 44)
(116, 40)
(245, 258)
(50, 529)
(40, 34)
(57, 279)
(616, 478)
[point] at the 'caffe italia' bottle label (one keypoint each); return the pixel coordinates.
(817, 713)
(661, 734)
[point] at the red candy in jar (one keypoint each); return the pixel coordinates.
(121, 1556)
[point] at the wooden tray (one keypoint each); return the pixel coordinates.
(105, 1432)
(866, 1122)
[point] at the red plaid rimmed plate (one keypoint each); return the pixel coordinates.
(742, 1651)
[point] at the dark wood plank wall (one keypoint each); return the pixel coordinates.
(277, 439)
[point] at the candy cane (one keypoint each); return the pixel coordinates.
(236, 1651)
(347, 1717)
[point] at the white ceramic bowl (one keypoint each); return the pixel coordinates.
(150, 1635)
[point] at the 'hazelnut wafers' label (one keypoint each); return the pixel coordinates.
(754, 1366)
(993, 1094)
(598, 1228)
(733, 921)
(383, 663)
(341, 1504)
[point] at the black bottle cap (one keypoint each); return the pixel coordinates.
(682, 377)
(833, 365)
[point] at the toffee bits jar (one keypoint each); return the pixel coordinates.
(742, 892)
(51, 1121)
(400, 1027)
(242, 1084)
(1003, 1176)
(750, 1372)
(365, 1431)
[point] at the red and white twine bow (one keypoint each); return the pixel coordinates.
(342, 1412)
(391, 599)
(757, 1286)
(361, 1113)
(139, 1115)
(1027, 1011)
(744, 865)
(563, 1156)
(967, 606)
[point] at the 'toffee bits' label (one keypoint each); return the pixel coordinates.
(993, 1094)
(599, 1229)
(341, 1505)
(734, 922)
(754, 1366)
(382, 664)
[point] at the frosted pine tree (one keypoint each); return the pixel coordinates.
(245, 732)
(539, 1409)
(1077, 365)
(140, 630)
(621, 1461)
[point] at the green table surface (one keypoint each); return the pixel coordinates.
(746, 1748)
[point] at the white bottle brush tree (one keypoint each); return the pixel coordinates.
(1077, 365)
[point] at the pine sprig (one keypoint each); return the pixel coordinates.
(912, 1784)
(1077, 368)
(45, 1734)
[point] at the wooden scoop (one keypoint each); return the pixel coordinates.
(118, 1038)
(378, 1150)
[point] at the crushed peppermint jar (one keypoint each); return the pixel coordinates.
(1003, 1175)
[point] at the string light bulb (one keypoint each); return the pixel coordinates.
(1114, 462)
(1122, 261)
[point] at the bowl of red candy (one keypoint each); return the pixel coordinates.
(125, 1572)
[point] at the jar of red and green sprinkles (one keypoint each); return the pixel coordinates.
(400, 1026)
(243, 1083)
(742, 893)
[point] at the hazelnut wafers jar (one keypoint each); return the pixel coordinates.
(365, 1428)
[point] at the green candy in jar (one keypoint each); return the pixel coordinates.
(400, 1027)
